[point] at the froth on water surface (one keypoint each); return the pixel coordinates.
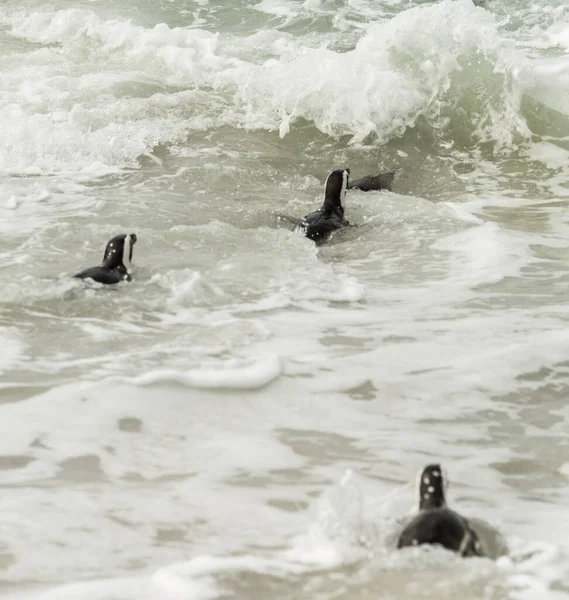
(246, 416)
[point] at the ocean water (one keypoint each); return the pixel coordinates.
(246, 417)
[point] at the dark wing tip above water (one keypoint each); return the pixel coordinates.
(369, 183)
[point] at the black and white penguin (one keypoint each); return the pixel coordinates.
(436, 523)
(116, 261)
(320, 224)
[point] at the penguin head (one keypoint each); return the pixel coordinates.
(118, 252)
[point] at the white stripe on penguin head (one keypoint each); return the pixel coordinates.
(345, 174)
(126, 253)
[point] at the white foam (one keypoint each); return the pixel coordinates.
(19, 204)
(78, 26)
(547, 80)
(165, 587)
(12, 348)
(488, 253)
(298, 276)
(189, 287)
(537, 570)
(341, 533)
(234, 374)
(275, 8)
(94, 130)
(99, 332)
(550, 154)
(556, 35)
(393, 75)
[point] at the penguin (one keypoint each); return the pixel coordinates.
(116, 261)
(318, 225)
(436, 523)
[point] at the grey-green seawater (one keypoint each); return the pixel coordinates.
(246, 417)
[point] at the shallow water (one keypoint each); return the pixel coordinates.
(246, 417)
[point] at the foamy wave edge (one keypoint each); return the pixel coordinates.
(235, 374)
